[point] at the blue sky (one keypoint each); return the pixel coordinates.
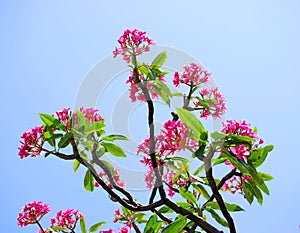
(47, 47)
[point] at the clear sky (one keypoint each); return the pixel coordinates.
(47, 47)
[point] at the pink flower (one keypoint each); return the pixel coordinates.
(235, 184)
(213, 103)
(135, 92)
(132, 43)
(116, 178)
(67, 218)
(192, 74)
(32, 212)
(91, 114)
(175, 137)
(108, 231)
(241, 128)
(124, 229)
(33, 140)
(65, 116)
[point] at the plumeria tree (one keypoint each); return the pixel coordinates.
(181, 199)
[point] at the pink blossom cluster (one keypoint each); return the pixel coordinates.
(132, 43)
(65, 116)
(67, 218)
(240, 128)
(33, 139)
(135, 92)
(127, 220)
(32, 142)
(116, 178)
(192, 75)
(91, 114)
(235, 184)
(180, 182)
(215, 104)
(108, 231)
(124, 229)
(174, 137)
(32, 212)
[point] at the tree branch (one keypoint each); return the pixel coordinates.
(215, 190)
(109, 175)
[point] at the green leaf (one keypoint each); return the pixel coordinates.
(89, 181)
(159, 60)
(256, 192)
(248, 192)
(157, 226)
(184, 205)
(178, 158)
(259, 155)
(265, 176)
(93, 127)
(199, 169)
(176, 226)
(113, 137)
(191, 122)
(165, 209)
(200, 189)
(82, 225)
(219, 160)
(217, 135)
(96, 226)
(52, 122)
(187, 195)
(229, 207)
(216, 216)
(109, 166)
(58, 228)
(64, 141)
(76, 165)
(140, 217)
(200, 152)
(236, 162)
(150, 224)
(177, 94)
(113, 149)
(162, 94)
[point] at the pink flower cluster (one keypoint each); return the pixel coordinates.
(91, 114)
(32, 212)
(124, 229)
(240, 128)
(32, 142)
(127, 220)
(116, 178)
(132, 43)
(191, 75)
(67, 218)
(65, 116)
(33, 139)
(215, 104)
(235, 184)
(108, 231)
(174, 137)
(135, 92)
